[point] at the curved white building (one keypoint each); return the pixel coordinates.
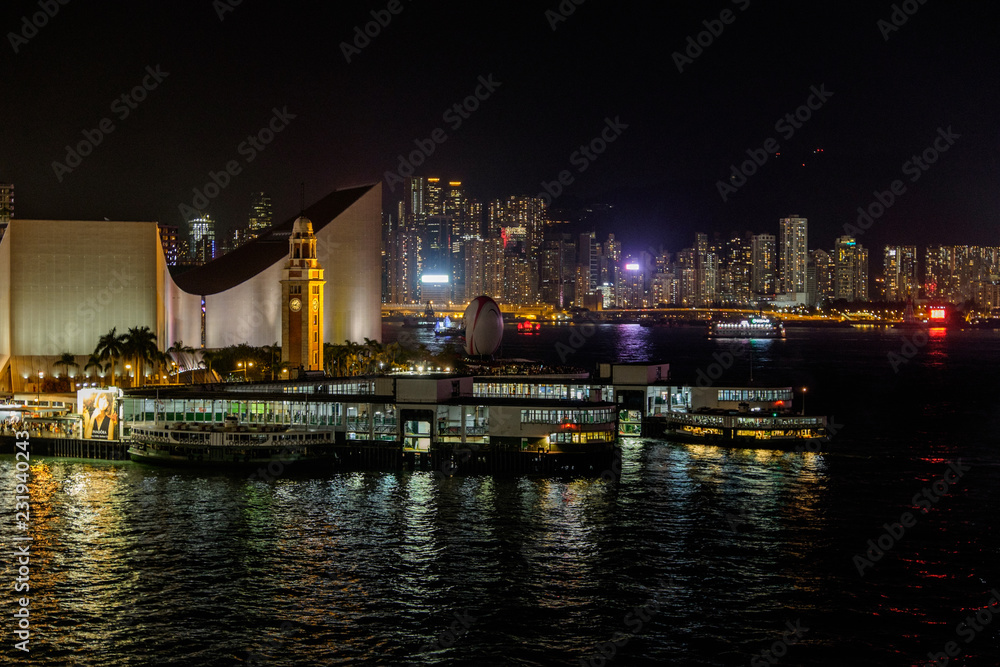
(65, 283)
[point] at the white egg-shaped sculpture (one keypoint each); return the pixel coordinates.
(483, 326)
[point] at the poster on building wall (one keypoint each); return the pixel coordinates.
(99, 408)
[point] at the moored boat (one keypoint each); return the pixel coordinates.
(750, 416)
(229, 444)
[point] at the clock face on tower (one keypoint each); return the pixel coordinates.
(315, 305)
(295, 305)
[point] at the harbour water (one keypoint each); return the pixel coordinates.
(692, 555)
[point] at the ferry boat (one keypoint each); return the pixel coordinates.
(755, 326)
(230, 444)
(447, 423)
(758, 417)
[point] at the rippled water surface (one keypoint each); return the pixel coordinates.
(695, 556)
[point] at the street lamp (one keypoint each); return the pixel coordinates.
(38, 389)
(804, 400)
(248, 365)
(128, 373)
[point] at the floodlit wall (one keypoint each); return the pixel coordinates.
(348, 249)
(69, 282)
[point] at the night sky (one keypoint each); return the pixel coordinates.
(557, 89)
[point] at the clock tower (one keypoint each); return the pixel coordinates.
(302, 301)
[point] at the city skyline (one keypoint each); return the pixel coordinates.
(718, 129)
(442, 247)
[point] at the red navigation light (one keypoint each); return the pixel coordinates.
(937, 313)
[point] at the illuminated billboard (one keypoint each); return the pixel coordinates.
(434, 278)
(938, 314)
(99, 408)
(632, 266)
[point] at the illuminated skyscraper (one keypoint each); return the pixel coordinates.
(6, 202)
(762, 249)
(850, 270)
(861, 280)
(825, 275)
(899, 270)
(736, 274)
(201, 236)
(793, 249)
(6, 206)
(432, 198)
(261, 214)
(170, 242)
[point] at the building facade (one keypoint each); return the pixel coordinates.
(793, 252)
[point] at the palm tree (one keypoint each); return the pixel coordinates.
(94, 362)
(178, 352)
(273, 352)
(139, 345)
(208, 357)
(109, 347)
(66, 359)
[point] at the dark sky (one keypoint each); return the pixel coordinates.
(557, 88)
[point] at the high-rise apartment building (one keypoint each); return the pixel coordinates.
(825, 275)
(6, 206)
(170, 241)
(899, 273)
(764, 264)
(201, 237)
(850, 270)
(793, 249)
(861, 278)
(6, 202)
(261, 215)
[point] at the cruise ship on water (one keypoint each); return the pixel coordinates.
(754, 326)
